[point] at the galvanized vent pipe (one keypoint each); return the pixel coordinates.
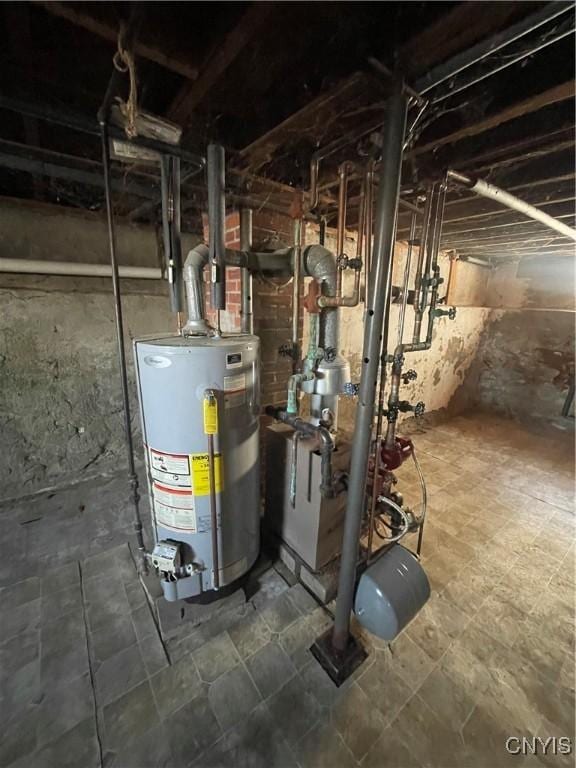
(193, 269)
(485, 189)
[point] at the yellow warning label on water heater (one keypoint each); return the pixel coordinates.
(200, 466)
(210, 415)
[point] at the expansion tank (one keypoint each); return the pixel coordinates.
(174, 374)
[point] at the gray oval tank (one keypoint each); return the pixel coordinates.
(174, 374)
(391, 592)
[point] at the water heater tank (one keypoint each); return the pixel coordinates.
(174, 376)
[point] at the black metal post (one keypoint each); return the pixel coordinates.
(121, 351)
(344, 655)
(216, 225)
(246, 282)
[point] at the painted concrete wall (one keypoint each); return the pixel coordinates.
(61, 415)
(525, 363)
(443, 369)
(60, 399)
(545, 283)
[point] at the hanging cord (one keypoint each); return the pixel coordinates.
(123, 61)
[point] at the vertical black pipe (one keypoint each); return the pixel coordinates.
(170, 186)
(176, 239)
(120, 341)
(322, 231)
(389, 187)
(216, 224)
(246, 282)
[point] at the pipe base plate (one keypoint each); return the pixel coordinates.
(338, 665)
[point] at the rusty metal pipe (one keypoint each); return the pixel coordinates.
(314, 195)
(361, 220)
(343, 172)
(296, 286)
(420, 266)
(368, 190)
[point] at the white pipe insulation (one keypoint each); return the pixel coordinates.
(485, 189)
(41, 267)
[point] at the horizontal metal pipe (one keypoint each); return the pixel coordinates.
(485, 189)
(489, 46)
(77, 122)
(40, 267)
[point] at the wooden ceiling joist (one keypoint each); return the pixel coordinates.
(559, 93)
(304, 121)
(191, 94)
(461, 27)
(109, 32)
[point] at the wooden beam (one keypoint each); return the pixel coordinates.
(262, 149)
(191, 94)
(518, 151)
(533, 104)
(109, 32)
(456, 30)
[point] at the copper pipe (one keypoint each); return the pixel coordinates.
(314, 166)
(368, 191)
(213, 512)
(418, 314)
(296, 287)
(361, 220)
(343, 172)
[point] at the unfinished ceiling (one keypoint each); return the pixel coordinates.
(278, 82)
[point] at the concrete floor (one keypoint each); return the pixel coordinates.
(86, 678)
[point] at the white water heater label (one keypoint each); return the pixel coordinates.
(171, 468)
(234, 390)
(174, 507)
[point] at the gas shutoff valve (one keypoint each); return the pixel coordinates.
(418, 410)
(409, 376)
(351, 389)
(449, 313)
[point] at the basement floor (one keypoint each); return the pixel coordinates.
(87, 679)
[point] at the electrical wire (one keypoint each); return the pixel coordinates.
(406, 523)
(422, 517)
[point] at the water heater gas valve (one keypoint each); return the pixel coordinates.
(166, 557)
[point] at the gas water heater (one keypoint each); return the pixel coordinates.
(199, 403)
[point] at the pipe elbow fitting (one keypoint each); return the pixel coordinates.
(320, 263)
(197, 257)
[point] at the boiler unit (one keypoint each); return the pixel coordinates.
(199, 401)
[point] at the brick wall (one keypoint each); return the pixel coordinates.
(272, 300)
